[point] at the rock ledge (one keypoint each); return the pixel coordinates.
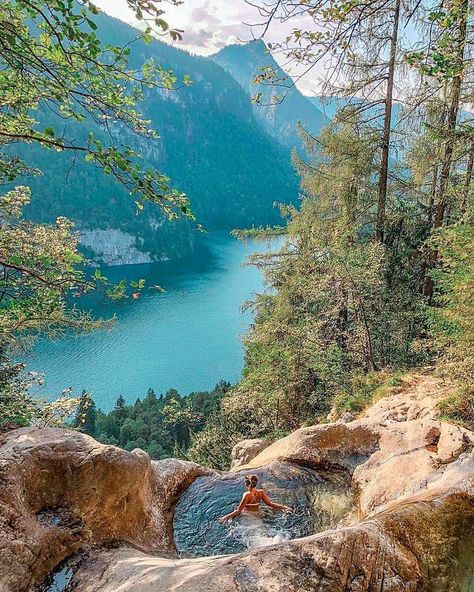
(413, 476)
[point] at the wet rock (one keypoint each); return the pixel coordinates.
(410, 549)
(245, 450)
(59, 579)
(61, 490)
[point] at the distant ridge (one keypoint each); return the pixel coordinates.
(330, 105)
(281, 119)
(210, 145)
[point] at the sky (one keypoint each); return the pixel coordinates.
(210, 25)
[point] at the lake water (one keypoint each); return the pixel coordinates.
(187, 338)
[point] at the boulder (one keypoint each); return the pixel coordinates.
(245, 450)
(332, 445)
(395, 450)
(61, 490)
(412, 457)
(415, 399)
(409, 549)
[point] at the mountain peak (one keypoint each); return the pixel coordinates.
(279, 117)
(250, 51)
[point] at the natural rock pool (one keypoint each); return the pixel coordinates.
(58, 580)
(320, 501)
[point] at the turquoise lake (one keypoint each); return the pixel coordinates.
(187, 338)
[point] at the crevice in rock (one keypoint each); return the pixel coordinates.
(60, 517)
(433, 436)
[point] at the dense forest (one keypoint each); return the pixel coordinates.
(161, 425)
(375, 275)
(206, 130)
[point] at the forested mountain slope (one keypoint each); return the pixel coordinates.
(207, 132)
(282, 106)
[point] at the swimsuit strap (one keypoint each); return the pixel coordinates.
(255, 501)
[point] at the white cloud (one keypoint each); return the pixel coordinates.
(204, 14)
(210, 25)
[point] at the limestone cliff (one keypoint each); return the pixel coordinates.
(113, 247)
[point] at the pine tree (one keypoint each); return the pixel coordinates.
(120, 409)
(86, 414)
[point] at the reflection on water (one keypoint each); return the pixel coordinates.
(464, 566)
(318, 504)
(58, 580)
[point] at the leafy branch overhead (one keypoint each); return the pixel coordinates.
(38, 274)
(52, 59)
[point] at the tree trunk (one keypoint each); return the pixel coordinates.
(448, 152)
(450, 141)
(387, 127)
(428, 282)
(431, 202)
(452, 117)
(467, 181)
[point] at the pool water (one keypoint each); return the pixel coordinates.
(319, 503)
(58, 580)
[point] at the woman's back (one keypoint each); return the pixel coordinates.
(253, 498)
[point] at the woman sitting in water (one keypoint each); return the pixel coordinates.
(251, 500)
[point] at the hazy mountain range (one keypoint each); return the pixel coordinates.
(231, 157)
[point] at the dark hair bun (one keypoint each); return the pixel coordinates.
(251, 480)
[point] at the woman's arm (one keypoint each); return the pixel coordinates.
(269, 502)
(237, 512)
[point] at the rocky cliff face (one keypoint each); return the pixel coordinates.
(114, 247)
(412, 477)
(282, 107)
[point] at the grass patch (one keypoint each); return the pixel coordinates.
(459, 407)
(366, 389)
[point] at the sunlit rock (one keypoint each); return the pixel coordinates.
(384, 503)
(61, 490)
(245, 450)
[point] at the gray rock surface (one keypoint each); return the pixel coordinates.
(246, 450)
